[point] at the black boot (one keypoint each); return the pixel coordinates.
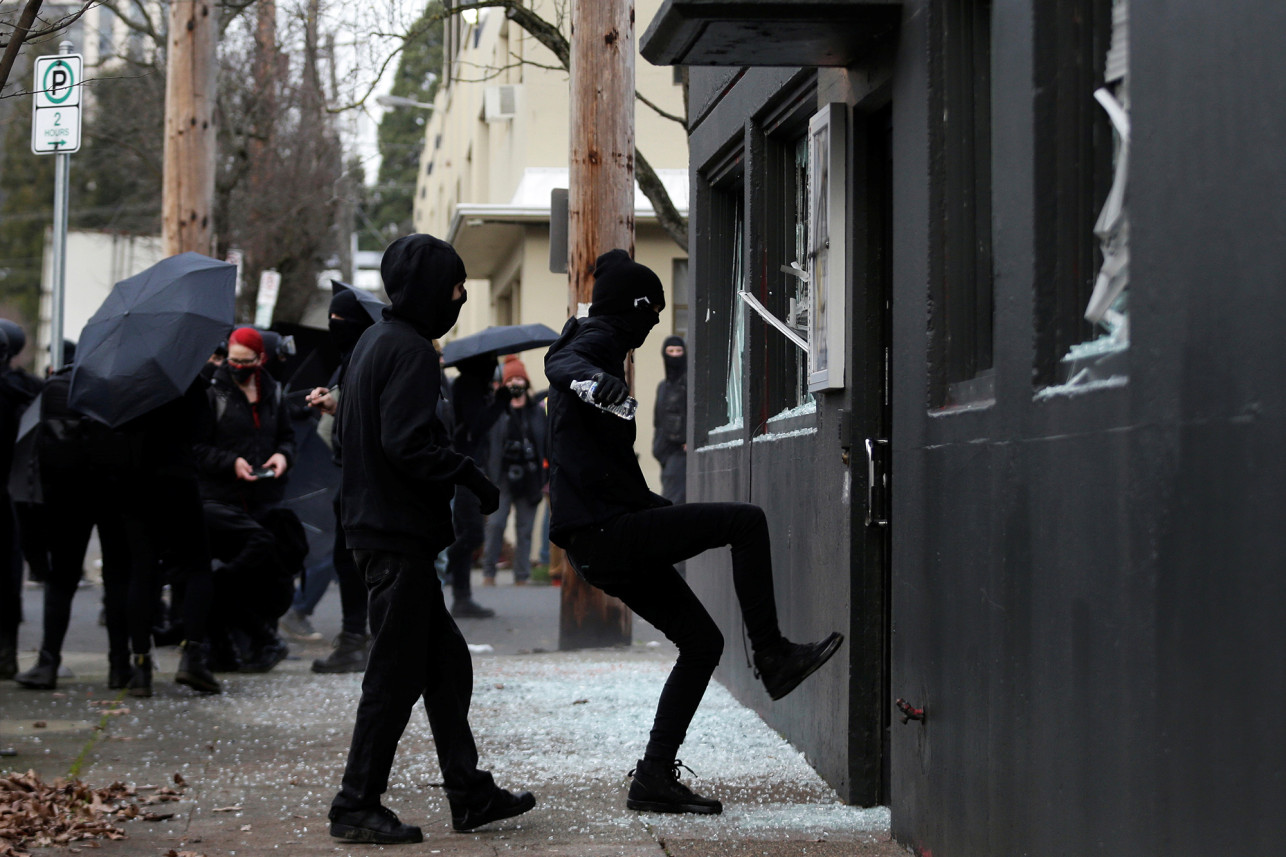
(193, 670)
(118, 670)
(467, 608)
(44, 675)
(349, 655)
(499, 805)
(266, 654)
(140, 679)
(378, 824)
(783, 667)
(656, 788)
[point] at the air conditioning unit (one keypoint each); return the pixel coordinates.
(500, 102)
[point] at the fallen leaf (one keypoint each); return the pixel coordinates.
(40, 724)
(245, 828)
(226, 809)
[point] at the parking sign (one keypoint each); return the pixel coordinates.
(55, 126)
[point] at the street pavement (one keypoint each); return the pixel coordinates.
(261, 762)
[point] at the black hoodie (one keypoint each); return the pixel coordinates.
(594, 475)
(399, 469)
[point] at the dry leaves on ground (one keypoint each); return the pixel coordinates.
(36, 814)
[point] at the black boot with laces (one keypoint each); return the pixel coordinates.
(656, 788)
(783, 667)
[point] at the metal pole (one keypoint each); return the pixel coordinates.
(62, 169)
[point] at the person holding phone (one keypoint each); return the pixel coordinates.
(243, 451)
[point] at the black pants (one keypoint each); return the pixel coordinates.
(632, 558)
(75, 513)
(10, 574)
(352, 588)
(163, 519)
(251, 589)
(470, 533)
(417, 652)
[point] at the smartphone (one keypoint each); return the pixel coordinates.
(263, 473)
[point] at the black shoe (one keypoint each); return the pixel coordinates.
(500, 805)
(266, 656)
(784, 667)
(193, 670)
(44, 675)
(140, 678)
(118, 671)
(349, 655)
(467, 608)
(378, 824)
(656, 788)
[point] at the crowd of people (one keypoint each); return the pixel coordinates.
(190, 495)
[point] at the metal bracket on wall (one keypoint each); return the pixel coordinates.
(874, 479)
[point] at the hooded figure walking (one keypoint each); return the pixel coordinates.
(399, 476)
(625, 540)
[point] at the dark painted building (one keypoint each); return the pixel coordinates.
(986, 310)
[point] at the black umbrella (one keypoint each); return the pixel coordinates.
(374, 306)
(311, 485)
(502, 339)
(24, 474)
(148, 341)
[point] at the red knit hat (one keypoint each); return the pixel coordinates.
(513, 368)
(249, 337)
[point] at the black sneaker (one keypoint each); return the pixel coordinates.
(349, 655)
(656, 788)
(467, 608)
(266, 656)
(784, 667)
(379, 824)
(42, 676)
(501, 805)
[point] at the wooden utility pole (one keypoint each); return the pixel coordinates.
(187, 196)
(600, 218)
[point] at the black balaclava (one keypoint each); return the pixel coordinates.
(674, 366)
(625, 292)
(15, 336)
(352, 322)
(420, 273)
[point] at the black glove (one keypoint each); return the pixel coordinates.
(610, 390)
(488, 494)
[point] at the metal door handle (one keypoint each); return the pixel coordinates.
(871, 520)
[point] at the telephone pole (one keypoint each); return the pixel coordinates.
(600, 218)
(187, 196)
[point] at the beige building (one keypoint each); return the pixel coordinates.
(496, 145)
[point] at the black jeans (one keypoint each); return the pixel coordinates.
(251, 585)
(632, 558)
(470, 533)
(416, 652)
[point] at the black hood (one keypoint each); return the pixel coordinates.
(420, 273)
(674, 366)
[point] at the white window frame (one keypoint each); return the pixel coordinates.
(828, 251)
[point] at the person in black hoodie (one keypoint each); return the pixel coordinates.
(624, 539)
(670, 422)
(399, 476)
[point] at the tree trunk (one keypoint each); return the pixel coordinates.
(16, 38)
(601, 218)
(187, 198)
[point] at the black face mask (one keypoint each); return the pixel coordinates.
(345, 333)
(242, 374)
(638, 324)
(449, 316)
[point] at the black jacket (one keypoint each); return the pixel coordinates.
(670, 417)
(236, 429)
(399, 469)
(594, 475)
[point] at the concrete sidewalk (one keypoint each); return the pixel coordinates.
(263, 760)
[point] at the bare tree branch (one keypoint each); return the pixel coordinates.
(674, 223)
(683, 123)
(19, 35)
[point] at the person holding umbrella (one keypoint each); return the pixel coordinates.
(624, 539)
(137, 369)
(399, 476)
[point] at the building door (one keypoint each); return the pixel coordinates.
(872, 476)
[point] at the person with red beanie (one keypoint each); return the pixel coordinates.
(243, 453)
(517, 449)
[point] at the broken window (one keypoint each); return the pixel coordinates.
(1082, 114)
(719, 312)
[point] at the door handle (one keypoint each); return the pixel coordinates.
(871, 519)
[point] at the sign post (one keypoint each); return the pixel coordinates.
(55, 130)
